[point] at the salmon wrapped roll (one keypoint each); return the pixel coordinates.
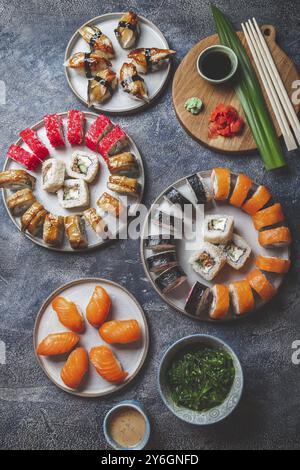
(267, 217)
(75, 368)
(272, 264)
(275, 237)
(120, 331)
(221, 301)
(261, 285)
(57, 344)
(259, 199)
(107, 365)
(242, 187)
(221, 183)
(241, 296)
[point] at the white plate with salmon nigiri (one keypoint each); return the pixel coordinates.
(91, 337)
(236, 259)
(64, 182)
(95, 58)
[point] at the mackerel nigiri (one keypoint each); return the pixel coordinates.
(75, 368)
(57, 343)
(133, 83)
(107, 365)
(149, 59)
(68, 314)
(120, 331)
(97, 41)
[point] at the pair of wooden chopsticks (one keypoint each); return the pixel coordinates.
(276, 92)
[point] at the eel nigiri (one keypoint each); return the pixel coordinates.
(267, 217)
(107, 365)
(220, 303)
(68, 314)
(257, 201)
(57, 343)
(16, 179)
(242, 187)
(30, 138)
(120, 331)
(53, 230)
(88, 63)
(221, 183)
(98, 307)
(133, 83)
(272, 264)
(29, 160)
(97, 41)
(259, 282)
(128, 30)
(75, 368)
(101, 86)
(100, 127)
(19, 202)
(75, 131)
(54, 130)
(241, 296)
(149, 59)
(274, 237)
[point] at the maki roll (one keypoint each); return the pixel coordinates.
(170, 279)
(33, 219)
(123, 185)
(53, 175)
(175, 197)
(83, 166)
(262, 286)
(75, 132)
(123, 164)
(272, 264)
(241, 297)
(96, 222)
(266, 217)
(242, 187)
(115, 141)
(257, 201)
(74, 193)
(19, 202)
(275, 237)
(128, 30)
(100, 127)
(220, 302)
(221, 183)
(30, 138)
(208, 261)
(75, 230)
(159, 243)
(54, 130)
(167, 222)
(110, 204)
(53, 230)
(218, 228)
(31, 212)
(101, 87)
(198, 301)
(200, 190)
(16, 179)
(24, 158)
(237, 252)
(161, 261)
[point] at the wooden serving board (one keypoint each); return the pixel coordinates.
(187, 83)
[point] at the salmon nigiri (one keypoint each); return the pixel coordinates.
(68, 314)
(107, 365)
(57, 343)
(75, 368)
(98, 307)
(120, 331)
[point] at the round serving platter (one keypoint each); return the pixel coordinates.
(243, 226)
(120, 102)
(50, 201)
(124, 306)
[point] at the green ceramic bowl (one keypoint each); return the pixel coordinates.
(215, 414)
(225, 50)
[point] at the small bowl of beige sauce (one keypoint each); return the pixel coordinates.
(126, 426)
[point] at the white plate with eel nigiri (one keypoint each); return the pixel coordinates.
(51, 201)
(247, 260)
(144, 35)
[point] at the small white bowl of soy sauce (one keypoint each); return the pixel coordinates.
(217, 64)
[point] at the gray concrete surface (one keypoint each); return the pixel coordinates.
(34, 414)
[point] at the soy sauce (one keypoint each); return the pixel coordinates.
(216, 65)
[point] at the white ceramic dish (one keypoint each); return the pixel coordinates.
(124, 306)
(120, 102)
(50, 201)
(243, 226)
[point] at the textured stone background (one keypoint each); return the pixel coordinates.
(34, 414)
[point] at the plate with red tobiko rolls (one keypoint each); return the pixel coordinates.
(91, 337)
(216, 246)
(72, 181)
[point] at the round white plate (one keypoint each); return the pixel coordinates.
(243, 226)
(120, 102)
(124, 306)
(50, 201)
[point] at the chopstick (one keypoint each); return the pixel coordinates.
(277, 82)
(269, 87)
